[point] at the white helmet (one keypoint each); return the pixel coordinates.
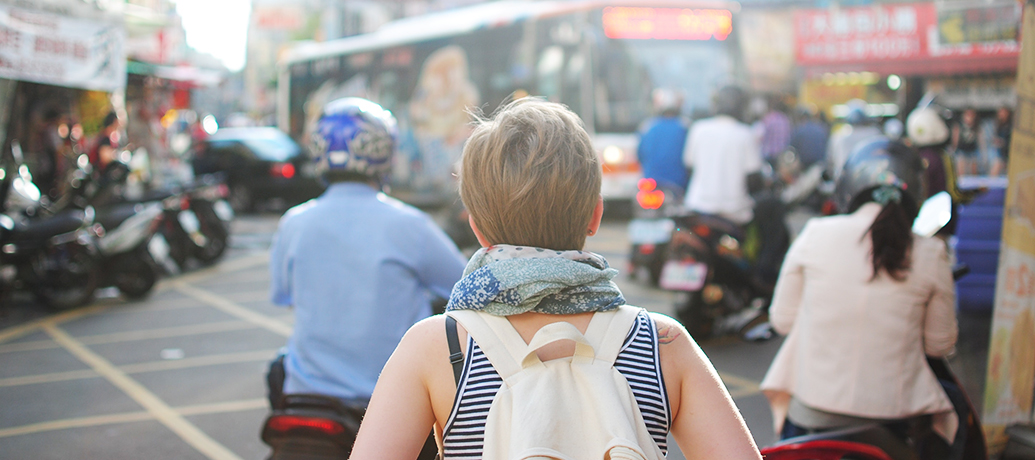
(926, 127)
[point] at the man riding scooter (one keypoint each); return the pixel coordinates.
(725, 164)
(358, 267)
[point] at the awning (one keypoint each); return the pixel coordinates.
(194, 76)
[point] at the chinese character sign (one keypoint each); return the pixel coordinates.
(903, 32)
(59, 50)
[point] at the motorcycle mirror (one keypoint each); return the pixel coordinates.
(16, 151)
(759, 333)
(933, 215)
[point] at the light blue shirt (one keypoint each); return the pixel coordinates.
(358, 267)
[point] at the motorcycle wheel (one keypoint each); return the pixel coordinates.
(216, 235)
(690, 311)
(179, 243)
(135, 276)
(67, 276)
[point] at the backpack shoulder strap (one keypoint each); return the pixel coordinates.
(496, 337)
(456, 357)
(607, 331)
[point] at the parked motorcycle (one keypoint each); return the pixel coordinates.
(650, 230)
(53, 256)
(196, 222)
(130, 247)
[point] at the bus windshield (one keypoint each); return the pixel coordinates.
(585, 58)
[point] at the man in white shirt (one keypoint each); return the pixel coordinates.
(725, 160)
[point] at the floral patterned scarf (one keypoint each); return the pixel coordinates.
(507, 280)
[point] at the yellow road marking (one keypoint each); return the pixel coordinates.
(142, 334)
(224, 407)
(15, 332)
(741, 386)
(152, 403)
(47, 378)
(29, 346)
(138, 368)
(231, 266)
(167, 332)
(128, 417)
(80, 422)
(199, 361)
(249, 296)
(221, 303)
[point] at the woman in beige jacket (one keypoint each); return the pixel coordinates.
(862, 300)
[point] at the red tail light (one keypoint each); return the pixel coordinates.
(649, 197)
(224, 190)
(184, 203)
(285, 423)
(285, 170)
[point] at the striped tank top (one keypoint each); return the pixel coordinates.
(638, 361)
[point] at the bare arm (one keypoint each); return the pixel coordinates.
(401, 414)
(705, 422)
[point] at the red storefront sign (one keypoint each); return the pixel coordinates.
(910, 38)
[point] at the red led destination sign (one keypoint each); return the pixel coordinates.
(667, 23)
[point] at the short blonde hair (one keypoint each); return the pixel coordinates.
(529, 176)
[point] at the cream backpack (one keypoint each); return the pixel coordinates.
(573, 408)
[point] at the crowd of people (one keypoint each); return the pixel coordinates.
(357, 268)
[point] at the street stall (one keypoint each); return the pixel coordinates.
(62, 69)
(162, 118)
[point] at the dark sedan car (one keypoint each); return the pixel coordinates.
(261, 164)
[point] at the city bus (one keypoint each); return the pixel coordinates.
(601, 59)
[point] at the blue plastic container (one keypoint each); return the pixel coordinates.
(978, 236)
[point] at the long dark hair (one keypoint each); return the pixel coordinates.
(891, 232)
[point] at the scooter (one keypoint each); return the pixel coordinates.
(130, 247)
(650, 230)
(208, 200)
(54, 256)
(707, 266)
(196, 222)
(875, 441)
(308, 426)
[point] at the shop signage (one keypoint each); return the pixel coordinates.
(904, 32)
(60, 50)
(667, 23)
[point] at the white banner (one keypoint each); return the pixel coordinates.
(59, 50)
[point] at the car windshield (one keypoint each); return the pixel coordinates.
(272, 146)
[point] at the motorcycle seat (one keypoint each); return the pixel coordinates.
(873, 434)
(46, 227)
(113, 215)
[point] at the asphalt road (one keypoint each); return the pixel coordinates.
(181, 374)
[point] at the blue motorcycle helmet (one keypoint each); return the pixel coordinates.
(354, 140)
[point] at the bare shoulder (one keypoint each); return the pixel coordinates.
(428, 332)
(669, 330)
